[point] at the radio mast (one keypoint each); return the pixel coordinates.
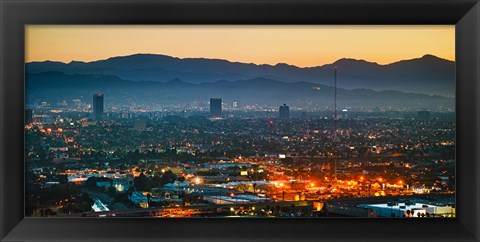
(335, 104)
(335, 124)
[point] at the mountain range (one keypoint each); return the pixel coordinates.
(428, 74)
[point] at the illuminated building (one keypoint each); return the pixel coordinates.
(394, 209)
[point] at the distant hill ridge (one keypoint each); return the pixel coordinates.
(428, 74)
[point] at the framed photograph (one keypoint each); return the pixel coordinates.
(240, 120)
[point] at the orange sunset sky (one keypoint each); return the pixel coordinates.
(298, 45)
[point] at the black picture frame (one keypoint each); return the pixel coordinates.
(15, 14)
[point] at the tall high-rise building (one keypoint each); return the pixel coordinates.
(284, 111)
(98, 107)
(216, 107)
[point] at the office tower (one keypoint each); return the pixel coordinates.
(284, 111)
(216, 107)
(423, 115)
(98, 107)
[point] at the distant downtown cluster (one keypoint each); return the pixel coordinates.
(215, 108)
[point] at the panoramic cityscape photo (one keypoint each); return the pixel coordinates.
(258, 121)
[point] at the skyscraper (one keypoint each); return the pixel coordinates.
(98, 107)
(216, 107)
(284, 111)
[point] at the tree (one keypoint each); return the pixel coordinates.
(181, 179)
(141, 182)
(168, 177)
(62, 179)
(92, 181)
(111, 191)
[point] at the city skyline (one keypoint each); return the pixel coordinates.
(303, 46)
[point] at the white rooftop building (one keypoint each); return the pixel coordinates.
(400, 209)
